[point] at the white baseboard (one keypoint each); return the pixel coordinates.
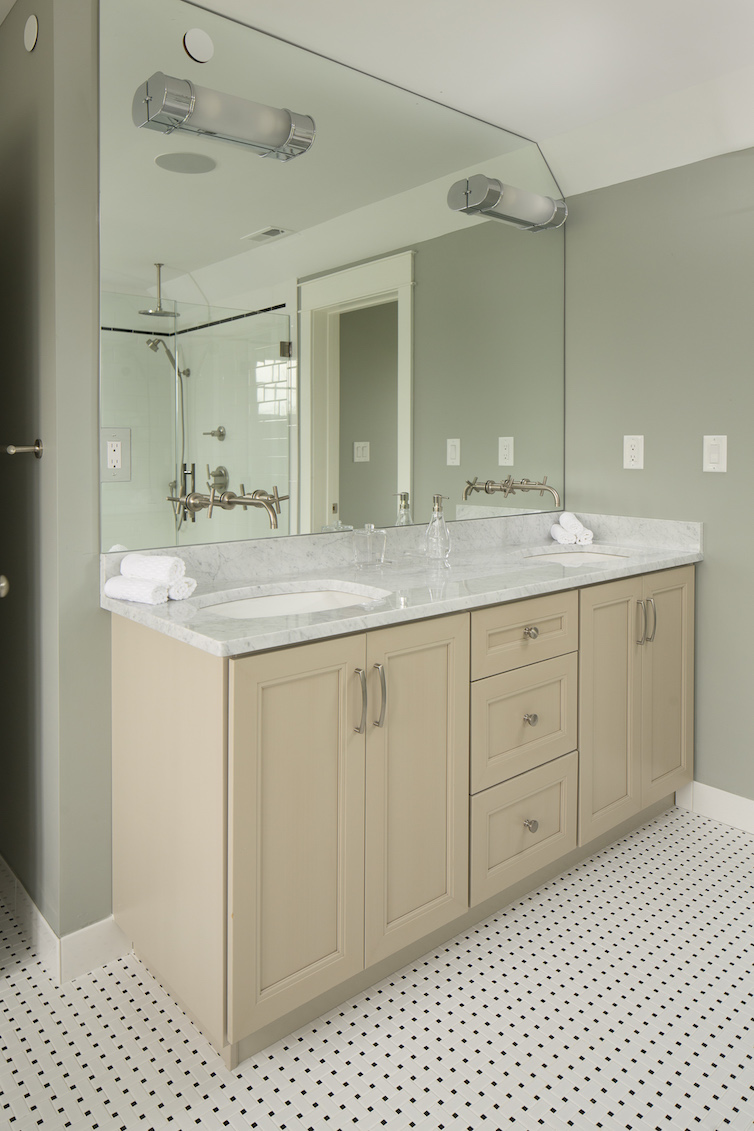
(91, 947)
(67, 957)
(717, 805)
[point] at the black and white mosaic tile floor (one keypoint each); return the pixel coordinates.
(619, 995)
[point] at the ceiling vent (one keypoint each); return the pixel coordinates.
(267, 235)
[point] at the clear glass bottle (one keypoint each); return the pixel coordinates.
(437, 539)
(368, 546)
(404, 510)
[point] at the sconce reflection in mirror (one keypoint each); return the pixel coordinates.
(488, 197)
(166, 104)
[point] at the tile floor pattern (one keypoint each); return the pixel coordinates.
(619, 995)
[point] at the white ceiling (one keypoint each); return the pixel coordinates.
(611, 90)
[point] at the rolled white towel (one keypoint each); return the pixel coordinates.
(570, 523)
(182, 589)
(585, 537)
(154, 567)
(142, 589)
(564, 537)
(118, 549)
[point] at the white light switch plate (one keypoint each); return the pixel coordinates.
(453, 456)
(715, 453)
(361, 451)
(633, 453)
(505, 451)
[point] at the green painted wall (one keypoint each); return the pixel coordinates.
(660, 343)
(369, 411)
(488, 361)
(55, 742)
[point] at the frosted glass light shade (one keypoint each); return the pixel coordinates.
(166, 104)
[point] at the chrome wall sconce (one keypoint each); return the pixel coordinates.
(488, 197)
(166, 104)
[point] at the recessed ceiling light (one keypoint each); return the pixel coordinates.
(185, 162)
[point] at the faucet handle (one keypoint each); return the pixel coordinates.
(277, 499)
(211, 504)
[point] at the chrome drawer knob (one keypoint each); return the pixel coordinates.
(531, 824)
(531, 631)
(4, 585)
(532, 720)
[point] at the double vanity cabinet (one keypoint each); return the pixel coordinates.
(290, 825)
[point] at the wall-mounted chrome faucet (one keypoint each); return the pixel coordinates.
(194, 501)
(508, 487)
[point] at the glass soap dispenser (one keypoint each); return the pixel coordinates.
(437, 539)
(404, 510)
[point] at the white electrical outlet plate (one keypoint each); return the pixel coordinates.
(114, 449)
(505, 451)
(453, 453)
(361, 451)
(115, 455)
(715, 453)
(633, 453)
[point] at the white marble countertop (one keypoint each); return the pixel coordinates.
(477, 575)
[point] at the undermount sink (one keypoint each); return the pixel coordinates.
(303, 599)
(577, 557)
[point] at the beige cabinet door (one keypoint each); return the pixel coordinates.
(668, 683)
(296, 828)
(417, 781)
(609, 706)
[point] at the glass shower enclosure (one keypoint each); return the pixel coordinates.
(194, 399)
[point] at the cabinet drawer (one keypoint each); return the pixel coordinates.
(499, 642)
(504, 742)
(503, 849)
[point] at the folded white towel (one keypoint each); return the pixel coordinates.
(182, 589)
(142, 589)
(585, 537)
(155, 567)
(563, 536)
(570, 523)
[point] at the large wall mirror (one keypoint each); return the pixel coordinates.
(324, 324)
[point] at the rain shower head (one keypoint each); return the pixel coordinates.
(158, 311)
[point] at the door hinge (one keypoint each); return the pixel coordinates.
(286, 349)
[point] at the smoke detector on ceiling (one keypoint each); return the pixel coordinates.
(267, 235)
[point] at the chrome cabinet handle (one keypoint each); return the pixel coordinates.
(531, 824)
(363, 724)
(531, 631)
(650, 638)
(19, 450)
(532, 720)
(643, 638)
(383, 686)
(4, 585)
